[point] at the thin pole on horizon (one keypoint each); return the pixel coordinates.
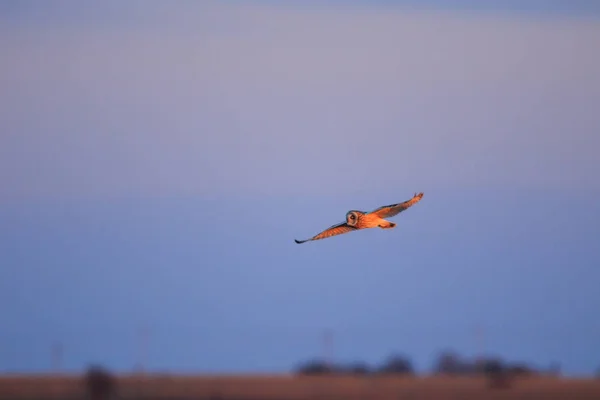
(56, 357)
(142, 345)
(480, 341)
(328, 347)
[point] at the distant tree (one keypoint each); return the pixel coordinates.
(397, 364)
(492, 366)
(497, 373)
(449, 363)
(358, 368)
(100, 384)
(314, 367)
(319, 367)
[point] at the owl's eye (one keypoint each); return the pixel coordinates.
(352, 216)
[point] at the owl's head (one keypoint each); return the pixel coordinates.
(352, 217)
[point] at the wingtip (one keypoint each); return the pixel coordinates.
(300, 241)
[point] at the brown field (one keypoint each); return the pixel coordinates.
(282, 387)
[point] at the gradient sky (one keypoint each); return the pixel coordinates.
(157, 161)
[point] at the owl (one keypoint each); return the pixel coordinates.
(356, 220)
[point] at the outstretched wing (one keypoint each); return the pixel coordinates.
(331, 231)
(393, 209)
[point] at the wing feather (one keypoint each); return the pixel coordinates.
(333, 230)
(394, 209)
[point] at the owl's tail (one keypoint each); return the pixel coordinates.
(387, 225)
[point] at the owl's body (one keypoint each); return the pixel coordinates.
(356, 220)
(365, 220)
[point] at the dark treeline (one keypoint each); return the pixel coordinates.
(102, 385)
(447, 363)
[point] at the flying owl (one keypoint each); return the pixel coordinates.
(356, 220)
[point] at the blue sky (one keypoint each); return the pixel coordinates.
(156, 164)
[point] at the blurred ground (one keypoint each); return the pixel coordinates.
(282, 387)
